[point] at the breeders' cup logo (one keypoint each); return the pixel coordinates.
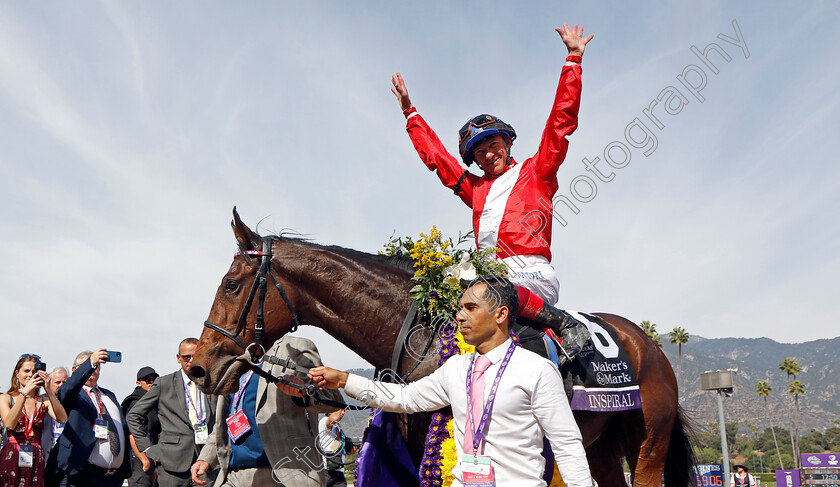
(814, 460)
(601, 379)
(832, 459)
(607, 379)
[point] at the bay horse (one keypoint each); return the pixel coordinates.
(361, 299)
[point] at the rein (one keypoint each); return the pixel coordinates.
(253, 359)
(310, 391)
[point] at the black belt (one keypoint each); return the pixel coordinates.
(102, 471)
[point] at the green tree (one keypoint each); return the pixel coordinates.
(796, 389)
(679, 337)
(707, 455)
(650, 330)
(763, 389)
(791, 368)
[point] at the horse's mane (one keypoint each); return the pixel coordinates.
(400, 262)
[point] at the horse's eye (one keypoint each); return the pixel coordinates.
(231, 286)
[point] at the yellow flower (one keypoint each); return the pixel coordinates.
(448, 456)
(462, 345)
(556, 479)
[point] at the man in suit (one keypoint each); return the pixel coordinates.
(92, 449)
(142, 473)
(185, 415)
(52, 430)
(279, 446)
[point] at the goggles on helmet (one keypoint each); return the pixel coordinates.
(478, 128)
(476, 122)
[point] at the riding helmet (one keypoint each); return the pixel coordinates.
(476, 129)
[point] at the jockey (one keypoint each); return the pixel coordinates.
(511, 202)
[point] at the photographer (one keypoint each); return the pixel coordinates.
(22, 409)
(92, 448)
(334, 445)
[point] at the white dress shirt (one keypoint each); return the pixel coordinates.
(530, 403)
(101, 454)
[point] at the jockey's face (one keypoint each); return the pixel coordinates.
(491, 154)
(483, 320)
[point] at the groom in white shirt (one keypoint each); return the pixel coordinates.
(523, 398)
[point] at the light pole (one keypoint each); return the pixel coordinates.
(720, 381)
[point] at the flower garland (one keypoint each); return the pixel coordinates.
(439, 268)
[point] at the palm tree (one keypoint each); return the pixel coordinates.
(678, 336)
(791, 368)
(763, 389)
(797, 389)
(650, 330)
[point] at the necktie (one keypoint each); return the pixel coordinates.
(113, 436)
(476, 401)
(192, 403)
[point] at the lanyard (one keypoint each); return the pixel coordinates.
(238, 398)
(28, 423)
(339, 436)
(199, 411)
(478, 433)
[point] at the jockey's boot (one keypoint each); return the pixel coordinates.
(572, 333)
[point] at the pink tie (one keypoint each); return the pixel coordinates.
(476, 400)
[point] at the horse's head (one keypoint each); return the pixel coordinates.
(251, 310)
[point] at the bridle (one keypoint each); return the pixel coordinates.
(260, 282)
(253, 360)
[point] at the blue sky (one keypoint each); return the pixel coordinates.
(128, 131)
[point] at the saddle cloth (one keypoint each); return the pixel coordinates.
(602, 377)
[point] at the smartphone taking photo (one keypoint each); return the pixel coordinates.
(115, 357)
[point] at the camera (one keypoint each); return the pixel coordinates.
(114, 357)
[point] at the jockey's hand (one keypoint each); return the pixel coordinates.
(400, 91)
(290, 390)
(573, 38)
(327, 377)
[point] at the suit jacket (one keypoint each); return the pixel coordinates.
(288, 428)
(46, 435)
(152, 421)
(176, 451)
(76, 443)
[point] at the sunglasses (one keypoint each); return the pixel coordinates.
(149, 379)
(476, 122)
(186, 358)
(32, 355)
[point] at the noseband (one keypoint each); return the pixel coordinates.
(260, 281)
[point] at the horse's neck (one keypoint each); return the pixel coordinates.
(361, 306)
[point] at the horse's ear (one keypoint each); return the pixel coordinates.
(244, 236)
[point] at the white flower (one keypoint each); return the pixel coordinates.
(463, 270)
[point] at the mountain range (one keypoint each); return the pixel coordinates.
(757, 359)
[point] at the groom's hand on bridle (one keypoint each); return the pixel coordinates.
(327, 377)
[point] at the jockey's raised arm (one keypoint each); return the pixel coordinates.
(511, 202)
